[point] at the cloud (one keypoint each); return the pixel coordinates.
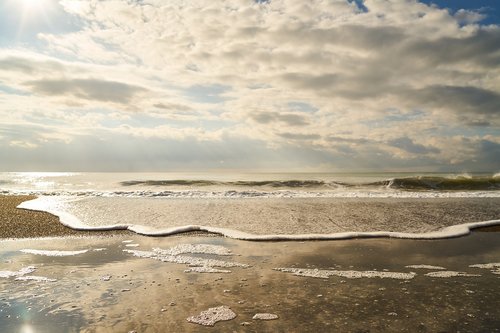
(87, 89)
(409, 146)
(375, 84)
(290, 119)
(460, 98)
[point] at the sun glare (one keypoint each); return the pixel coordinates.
(32, 4)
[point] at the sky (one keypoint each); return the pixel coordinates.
(263, 85)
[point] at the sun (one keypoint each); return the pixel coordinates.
(32, 4)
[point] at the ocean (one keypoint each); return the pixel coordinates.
(386, 278)
(266, 206)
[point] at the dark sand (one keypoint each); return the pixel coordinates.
(20, 223)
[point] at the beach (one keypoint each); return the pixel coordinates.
(19, 223)
(111, 281)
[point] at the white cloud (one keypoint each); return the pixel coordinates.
(400, 81)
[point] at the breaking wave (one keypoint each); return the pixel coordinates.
(452, 183)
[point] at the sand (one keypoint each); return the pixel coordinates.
(20, 223)
(108, 288)
(113, 290)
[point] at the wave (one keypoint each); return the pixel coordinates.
(263, 183)
(457, 183)
(419, 183)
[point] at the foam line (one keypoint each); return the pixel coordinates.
(73, 222)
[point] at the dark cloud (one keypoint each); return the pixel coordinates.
(290, 119)
(172, 106)
(482, 48)
(28, 66)
(461, 99)
(88, 89)
(337, 139)
(312, 81)
(299, 136)
(409, 146)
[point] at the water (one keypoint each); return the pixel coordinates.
(252, 184)
(266, 206)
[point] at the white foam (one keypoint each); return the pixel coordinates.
(132, 245)
(55, 206)
(56, 253)
(265, 316)
(200, 265)
(337, 193)
(324, 274)
(35, 278)
(493, 265)
(21, 275)
(425, 267)
(448, 274)
(23, 271)
(195, 248)
(213, 315)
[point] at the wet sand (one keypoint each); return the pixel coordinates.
(109, 289)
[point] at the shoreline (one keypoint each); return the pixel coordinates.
(21, 223)
(16, 223)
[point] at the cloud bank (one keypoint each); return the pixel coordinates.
(321, 85)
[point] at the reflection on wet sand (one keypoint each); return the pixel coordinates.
(149, 295)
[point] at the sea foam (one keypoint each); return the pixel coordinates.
(56, 253)
(196, 264)
(324, 274)
(213, 315)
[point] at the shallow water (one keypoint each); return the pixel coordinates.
(277, 218)
(107, 288)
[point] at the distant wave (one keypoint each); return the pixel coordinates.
(269, 183)
(459, 183)
(420, 183)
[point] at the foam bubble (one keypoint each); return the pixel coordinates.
(53, 253)
(493, 265)
(199, 265)
(324, 274)
(448, 274)
(21, 272)
(196, 248)
(213, 315)
(20, 275)
(35, 278)
(425, 267)
(265, 316)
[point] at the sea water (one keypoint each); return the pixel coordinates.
(266, 206)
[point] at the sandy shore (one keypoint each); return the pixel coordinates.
(257, 216)
(104, 287)
(20, 223)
